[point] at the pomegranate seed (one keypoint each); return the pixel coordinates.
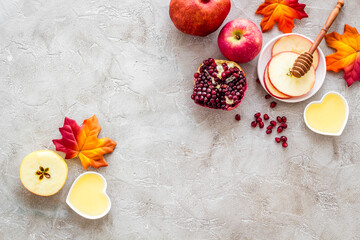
(266, 117)
(253, 124)
(269, 131)
(273, 123)
(267, 96)
(283, 138)
(196, 75)
(261, 124)
(259, 119)
(256, 115)
(237, 117)
(278, 118)
(269, 127)
(283, 119)
(284, 125)
(273, 104)
(257, 80)
(279, 129)
(285, 145)
(277, 140)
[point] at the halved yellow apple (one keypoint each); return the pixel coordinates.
(295, 43)
(270, 88)
(43, 172)
(281, 78)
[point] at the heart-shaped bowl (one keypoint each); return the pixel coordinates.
(68, 201)
(320, 102)
(265, 56)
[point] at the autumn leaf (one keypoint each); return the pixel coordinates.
(82, 142)
(281, 11)
(347, 56)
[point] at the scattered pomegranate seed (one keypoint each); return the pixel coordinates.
(237, 117)
(281, 120)
(273, 104)
(258, 80)
(283, 138)
(267, 96)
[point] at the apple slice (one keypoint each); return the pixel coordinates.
(295, 43)
(270, 88)
(43, 172)
(281, 78)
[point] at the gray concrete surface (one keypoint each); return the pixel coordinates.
(179, 171)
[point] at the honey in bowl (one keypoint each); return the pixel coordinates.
(87, 196)
(328, 116)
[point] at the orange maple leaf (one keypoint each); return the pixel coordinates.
(281, 11)
(82, 142)
(347, 56)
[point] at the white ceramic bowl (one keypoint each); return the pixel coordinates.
(265, 56)
(346, 117)
(103, 192)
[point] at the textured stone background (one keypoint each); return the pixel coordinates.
(179, 171)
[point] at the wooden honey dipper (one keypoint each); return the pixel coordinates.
(303, 63)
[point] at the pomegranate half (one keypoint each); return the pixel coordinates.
(219, 84)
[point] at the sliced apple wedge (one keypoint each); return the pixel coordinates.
(270, 88)
(281, 78)
(295, 43)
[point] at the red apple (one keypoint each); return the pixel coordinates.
(198, 17)
(240, 40)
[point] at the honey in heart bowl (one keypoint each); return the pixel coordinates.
(327, 116)
(88, 197)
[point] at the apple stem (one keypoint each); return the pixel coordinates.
(237, 36)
